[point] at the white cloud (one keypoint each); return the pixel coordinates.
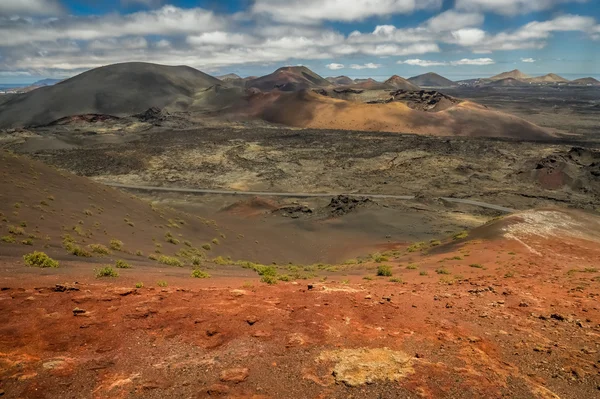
(468, 36)
(30, 7)
(14, 73)
(510, 7)
(370, 65)
(527, 60)
(453, 20)
(476, 61)
(147, 3)
(423, 63)
(334, 67)
(315, 11)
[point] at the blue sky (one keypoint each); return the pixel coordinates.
(359, 38)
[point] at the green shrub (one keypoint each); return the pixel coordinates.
(269, 279)
(18, 231)
(139, 285)
(23, 224)
(206, 247)
(121, 264)
(153, 257)
(384, 270)
(412, 267)
(462, 235)
(170, 261)
(196, 260)
(99, 249)
(435, 243)
(219, 260)
(8, 239)
(476, 266)
(416, 247)
(197, 273)
(27, 241)
(75, 249)
(170, 239)
(139, 253)
(396, 280)
(378, 258)
(162, 283)
(187, 243)
(442, 271)
(284, 277)
(423, 273)
(368, 278)
(215, 241)
(106, 272)
(39, 259)
(116, 245)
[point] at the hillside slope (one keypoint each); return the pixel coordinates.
(431, 79)
(398, 82)
(120, 89)
(290, 78)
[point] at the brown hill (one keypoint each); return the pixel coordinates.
(45, 209)
(514, 74)
(400, 83)
(549, 78)
(431, 79)
(229, 76)
(310, 110)
(586, 82)
(341, 81)
(290, 78)
(119, 90)
(370, 84)
(508, 82)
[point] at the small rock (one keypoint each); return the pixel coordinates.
(474, 339)
(310, 287)
(124, 291)
(368, 297)
(78, 311)
(1, 392)
(252, 320)
(211, 331)
(523, 304)
(557, 316)
(217, 390)
(236, 375)
(449, 305)
(65, 287)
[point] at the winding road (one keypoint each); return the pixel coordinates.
(301, 195)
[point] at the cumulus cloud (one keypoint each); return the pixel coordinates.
(452, 20)
(369, 65)
(510, 7)
(423, 63)
(334, 67)
(315, 11)
(30, 7)
(147, 3)
(476, 61)
(527, 60)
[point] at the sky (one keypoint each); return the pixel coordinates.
(459, 39)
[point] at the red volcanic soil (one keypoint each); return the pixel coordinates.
(507, 310)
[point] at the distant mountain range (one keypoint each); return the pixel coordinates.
(517, 78)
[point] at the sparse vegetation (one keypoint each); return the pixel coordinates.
(378, 258)
(395, 280)
(206, 247)
(98, 249)
(121, 264)
(27, 241)
(412, 267)
(187, 243)
(170, 239)
(384, 270)
(462, 235)
(40, 259)
(509, 275)
(368, 278)
(269, 279)
(18, 231)
(197, 273)
(106, 272)
(139, 253)
(8, 239)
(416, 247)
(442, 270)
(87, 212)
(435, 243)
(139, 285)
(169, 261)
(476, 266)
(116, 245)
(423, 273)
(215, 241)
(23, 224)
(162, 283)
(153, 257)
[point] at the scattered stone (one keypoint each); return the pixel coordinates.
(474, 339)
(124, 291)
(252, 320)
(368, 297)
(235, 375)
(217, 390)
(211, 331)
(78, 311)
(523, 304)
(1, 392)
(557, 316)
(310, 287)
(65, 287)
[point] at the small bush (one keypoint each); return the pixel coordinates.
(18, 231)
(476, 266)
(395, 280)
(121, 264)
(39, 259)
(170, 239)
(200, 274)
(219, 260)
(412, 267)
(153, 257)
(139, 253)
(187, 243)
(106, 272)
(27, 241)
(368, 278)
(462, 235)
(170, 261)
(590, 270)
(284, 277)
(435, 243)
(378, 258)
(116, 245)
(87, 212)
(23, 224)
(384, 270)
(8, 239)
(416, 247)
(215, 241)
(99, 249)
(162, 283)
(509, 275)
(423, 273)
(139, 285)
(271, 280)
(196, 260)
(206, 247)
(442, 271)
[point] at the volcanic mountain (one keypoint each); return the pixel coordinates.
(431, 79)
(549, 78)
(514, 74)
(340, 81)
(229, 76)
(507, 82)
(289, 78)
(398, 82)
(308, 109)
(586, 81)
(120, 89)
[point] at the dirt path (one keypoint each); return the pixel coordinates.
(302, 195)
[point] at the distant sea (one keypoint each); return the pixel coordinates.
(4, 86)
